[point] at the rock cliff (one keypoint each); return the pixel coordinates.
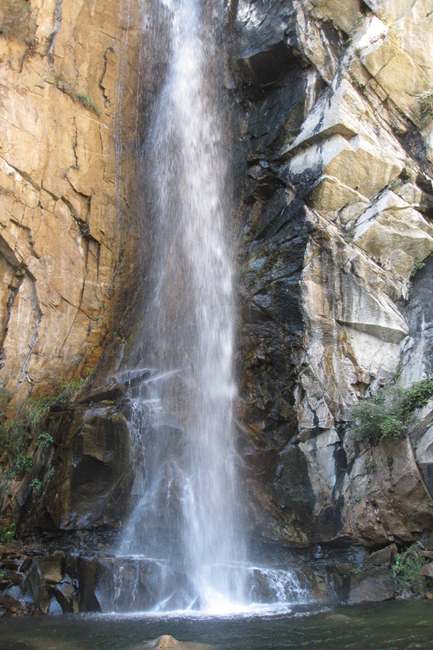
(68, 75)
(333, 143)
(336, 119)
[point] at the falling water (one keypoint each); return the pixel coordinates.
(182, 409)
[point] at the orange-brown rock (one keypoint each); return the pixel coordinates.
(64, 65)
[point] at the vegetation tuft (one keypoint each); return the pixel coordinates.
(37, 486)
(426, 105)
(17, 434)
(387, 415)
(76, 95)
(406, 569)
(7, 534)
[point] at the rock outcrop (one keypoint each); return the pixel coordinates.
(335, 128)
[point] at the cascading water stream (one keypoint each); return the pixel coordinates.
(183, 547)
(190, 324)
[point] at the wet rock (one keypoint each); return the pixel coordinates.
(427, 570)
(167, 642)
(292, 486)
(93, 474)
(88, 573)
(36, 582)
(110, 392)
(373, 588)
(374, 583)
(51, 568)
(66, 594)
(12, 606)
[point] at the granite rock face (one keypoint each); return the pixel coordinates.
(335, 136)
(60, 186)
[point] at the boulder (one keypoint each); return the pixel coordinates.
(427, 570)
(93, 474)
(375, 582)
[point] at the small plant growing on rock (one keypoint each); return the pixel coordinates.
(37, 486)
(419, 264)
(35, 409)
(417, 396)
(387, 415)
(69, 389)
(426, 104)
(76, 96)
(380, 416)
(7, 534)
(45, 440)
(406, 569)
(23, 463)
(87, 102)
(17, 434)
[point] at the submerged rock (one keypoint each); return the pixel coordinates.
(167, 642)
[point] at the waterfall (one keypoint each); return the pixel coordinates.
(182, 402)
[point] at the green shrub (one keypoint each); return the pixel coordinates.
(7, 534)
(380, 416)
(406, 569)
(417, 396)
(387, 414)
(37, 486)
(16, 435)
(45, 440)
(23, 463)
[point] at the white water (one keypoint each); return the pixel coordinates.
(189, 465)
(145, 585)
(184, 547)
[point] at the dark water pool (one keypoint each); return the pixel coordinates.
(390, 626)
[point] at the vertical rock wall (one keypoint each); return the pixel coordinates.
(336, 125)
(68, 78)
